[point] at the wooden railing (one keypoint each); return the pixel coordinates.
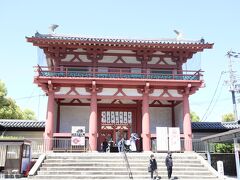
(123, 73)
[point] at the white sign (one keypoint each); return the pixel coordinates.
(116, 117)
(78, 136)
(162, 138)
(220, 167)
(174, 139)
(237, 146)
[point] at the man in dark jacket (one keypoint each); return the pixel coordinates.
(153, 166)
(169, 164)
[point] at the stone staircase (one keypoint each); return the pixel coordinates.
(112, 166)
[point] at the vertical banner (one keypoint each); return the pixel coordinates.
(162, 138)
(78, 136)
(174, 139)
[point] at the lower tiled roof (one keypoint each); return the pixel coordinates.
(33, 124)
(7, 123)
(214, 125)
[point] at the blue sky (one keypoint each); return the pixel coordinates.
(216, 21)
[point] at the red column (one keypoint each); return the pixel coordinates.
(48, 135)
(187, 129)
(145, 123)
(93, 123)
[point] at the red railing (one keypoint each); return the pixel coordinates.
(127, 73)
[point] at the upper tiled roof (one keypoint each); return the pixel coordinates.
(117, 41)
(214, 125)
(6, 123)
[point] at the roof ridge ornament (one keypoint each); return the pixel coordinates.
(179, 35)
(52, 28)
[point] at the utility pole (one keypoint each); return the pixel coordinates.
(233, 81)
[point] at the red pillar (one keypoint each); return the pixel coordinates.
(93, 123)
(48, 135)
(187, 129)
(145, 123)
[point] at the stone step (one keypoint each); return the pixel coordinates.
(87, 168)
(116, 157)
(137, 177)
(178, 173)
(114, 164)
(114, 160)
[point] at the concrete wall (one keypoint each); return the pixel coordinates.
(199, 135)
(74, 116)
(26, 134)
(160, 117)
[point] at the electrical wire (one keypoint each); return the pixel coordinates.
(27, 97)
(215, 103)
(214, 94)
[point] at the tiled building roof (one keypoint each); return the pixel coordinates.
(118, 40)
(196, 126)
(147, 43)
(214, 126)
(21, 124)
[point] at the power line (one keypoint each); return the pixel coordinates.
(216, 101)
(203, 118)
(27, 97)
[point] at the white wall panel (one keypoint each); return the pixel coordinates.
(74, 116)
(130, 60)
(131, 92)
(68, 58)
(169, 61)
(157, 92)
(108, 59)
(84, 58)
(174, 93)
(82, 91)
(178, 110)
(63, 90)
(108, 91)
(160, 117)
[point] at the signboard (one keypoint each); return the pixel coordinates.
(78, 136)
(174, 139)
(116, 117)
(220, 168)
(162, 138)
(237, 146)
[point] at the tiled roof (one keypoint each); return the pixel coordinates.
(6, 123)
(214, 125)
(118, 40)
(167, 43)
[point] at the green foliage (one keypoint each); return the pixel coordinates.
(194, 117)
(28, 114)
(9, 109)
(228, 117)
(224, 148)
(11, 138)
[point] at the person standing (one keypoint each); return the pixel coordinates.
(153, 166)
(121, 145)
(169, 164)
(104, 145)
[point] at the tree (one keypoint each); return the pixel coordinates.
(9, 109)
(224, 148)
(194, 117)
(28, 114)
(228, 117)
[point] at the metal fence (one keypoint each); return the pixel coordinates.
(197, 144)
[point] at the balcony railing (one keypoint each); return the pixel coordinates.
(122, 73)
